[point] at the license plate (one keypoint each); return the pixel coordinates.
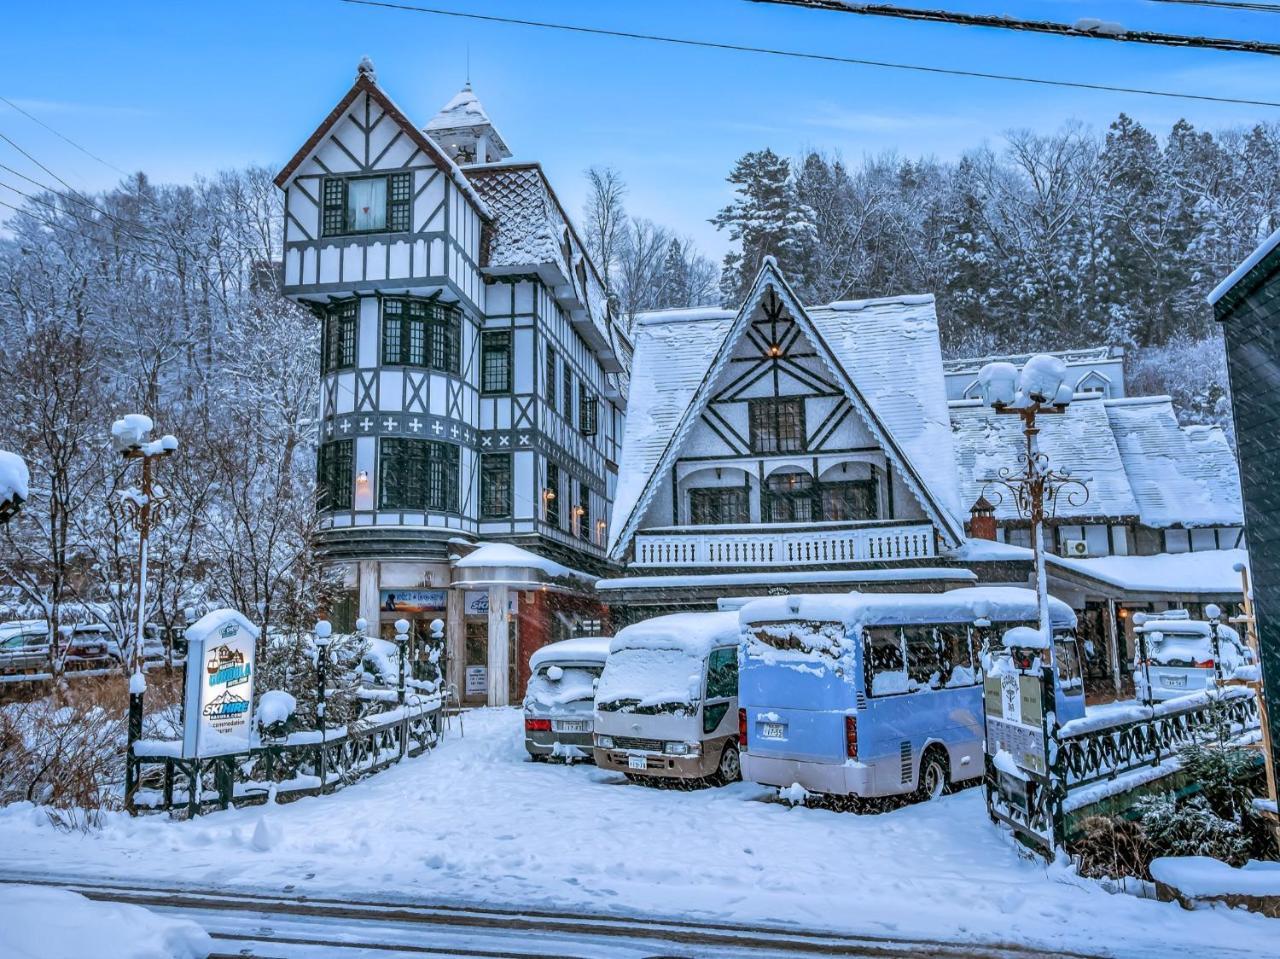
(774, 731)
(1174, 682)
(571, 726)
(636, 762)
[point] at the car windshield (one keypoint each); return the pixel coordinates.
(558, 685)
(649, 681)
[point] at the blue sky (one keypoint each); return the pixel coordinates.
(181, 89)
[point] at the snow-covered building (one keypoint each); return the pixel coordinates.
(474, 381)
(776, 446)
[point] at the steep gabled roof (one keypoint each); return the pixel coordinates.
(366, 84)
(700, 347)
(466, 112)
(1181, 476)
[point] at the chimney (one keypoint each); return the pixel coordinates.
(982, 520)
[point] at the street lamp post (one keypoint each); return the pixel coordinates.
(1039, 389)
(402, 644)
(129, 438)
(323, 637)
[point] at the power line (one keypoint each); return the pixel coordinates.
(823, 57)
(1228, 5)
(64, 137)
(1087, 28)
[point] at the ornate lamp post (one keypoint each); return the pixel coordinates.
(323, 636)
(1039, 389)
(402, 646)
(129, 438)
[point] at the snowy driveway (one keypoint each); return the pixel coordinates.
(475, 823)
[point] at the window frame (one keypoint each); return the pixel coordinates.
(398, 200)
(706, 494)
(584, 515)
(495, 466)
(551, 387)
(333, 458)
(808, 495)
(435, 327)
(488, 337)
(765, 421)
(340, 331)
(588, 410)
(425, 476)
(551, 512)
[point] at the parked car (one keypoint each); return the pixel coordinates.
(89, 646)
(1179, 655)
(24, 647)
(880, 694)
(667, 702)
(559, 703)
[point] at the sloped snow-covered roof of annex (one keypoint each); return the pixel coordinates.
(888, 347)
(1204, 571)
(1078, 440)
(972, 364)
(1180, 476)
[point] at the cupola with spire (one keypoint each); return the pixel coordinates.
(464, 131)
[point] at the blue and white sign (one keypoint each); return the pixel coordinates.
(476, 602)
(411, 600)
(218, 717)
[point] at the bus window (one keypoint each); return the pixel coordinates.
(883, 662)
(1069, 677)
(924, 665)
(957, 655)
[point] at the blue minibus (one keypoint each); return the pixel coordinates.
(880, 694)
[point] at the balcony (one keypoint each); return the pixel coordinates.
(763, 546)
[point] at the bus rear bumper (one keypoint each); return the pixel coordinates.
(833, 779)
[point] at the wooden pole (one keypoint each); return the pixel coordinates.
(1268, 755)
(1113, 645)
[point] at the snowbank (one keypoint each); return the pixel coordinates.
(1199, 877)
(37, 922)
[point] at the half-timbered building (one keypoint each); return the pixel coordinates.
(474, 381)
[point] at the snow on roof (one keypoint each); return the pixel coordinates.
(1083, 356)
(888, 348)
(988, 550)
(1206, 571)
(465, 111)
(692, 633)
(14, 476)
(1238, 274)
(891, 351)
(590, 649)
(1000, 604)
(1078, 440)
(505, 554)
(669, 362)
(912, 574)
(212, 622)
(1184, 477)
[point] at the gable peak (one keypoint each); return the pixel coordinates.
(365, 69)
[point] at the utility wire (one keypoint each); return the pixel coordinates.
(1228, 5)
(1087, 28)
(64, 137)
(801, 55)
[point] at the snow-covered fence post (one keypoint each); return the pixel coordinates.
(402, 639)
(129, 438)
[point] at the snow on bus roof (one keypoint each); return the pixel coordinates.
(587, 649)
(693, 633)
(997, 603)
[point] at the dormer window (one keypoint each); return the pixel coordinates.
(368, 204)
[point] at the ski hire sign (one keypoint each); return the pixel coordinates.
(218, 715)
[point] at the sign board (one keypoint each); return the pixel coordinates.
(477, 680)
(476, 602)
(1015, 718)
(218, 717)
(411, 600)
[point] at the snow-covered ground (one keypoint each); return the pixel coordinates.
(43, 923)
(474, 822)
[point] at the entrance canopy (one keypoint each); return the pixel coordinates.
(503, 564)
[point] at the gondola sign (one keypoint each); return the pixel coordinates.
(218, 715)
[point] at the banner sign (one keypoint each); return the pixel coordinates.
(218, 716)
(411, 600)
(476, 602)
(477, 680)
(1015, 718)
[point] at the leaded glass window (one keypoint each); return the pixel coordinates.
(550, 384)
(719, 505)
(551, 496)
(417, 475)
(495, 362)
(338, 350)
(367, 204)
(587, 411)
(777, 425)
(420, 333)
(334, 462)
(495, 485)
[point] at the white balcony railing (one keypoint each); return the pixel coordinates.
(763, 546)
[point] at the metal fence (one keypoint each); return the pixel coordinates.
(299, 764)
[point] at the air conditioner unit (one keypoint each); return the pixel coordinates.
(1075, 547)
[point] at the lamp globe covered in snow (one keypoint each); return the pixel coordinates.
(362, 626)
(1042, 377)
(998, 384)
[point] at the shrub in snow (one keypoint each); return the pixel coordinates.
(1190, 827)
(289, 661)
(1111, 847)
(1229, 778)
(274, 712)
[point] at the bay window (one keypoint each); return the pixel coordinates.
(338, 336)
(417, 475)
(421, 333)
(334, 465)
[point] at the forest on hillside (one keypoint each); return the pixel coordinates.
(1037, 242)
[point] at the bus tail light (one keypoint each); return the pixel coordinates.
(537, 725)
(851, 736)
(742, 730)
(1207, 664)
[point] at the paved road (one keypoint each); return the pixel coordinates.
(246, 926)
